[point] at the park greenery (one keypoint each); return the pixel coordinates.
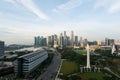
(111, 61)
(82, 52)
(78, 57)
(92, 76)
(103, 52)
(69, 67)
(71, 55)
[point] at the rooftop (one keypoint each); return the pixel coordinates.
(40, 49)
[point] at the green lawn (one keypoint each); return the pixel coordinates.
(69, 67)
(81, 51)
(87, 76)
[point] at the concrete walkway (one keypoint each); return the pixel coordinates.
(108, 69)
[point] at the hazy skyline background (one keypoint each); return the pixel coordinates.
(21, 20)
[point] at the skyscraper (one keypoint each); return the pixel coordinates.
(106, 41)
(72, 38)
(1, 48)
(52, 39)
(44, 42)
(61, 41)
(49, 41)
(65, 39)
(40, 41)
(36, 41)
(55, 41)
(109, 42)
(68, 41)
(85, 42)
(76, 40)
(81, 42)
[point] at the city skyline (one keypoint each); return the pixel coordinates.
(94, 20)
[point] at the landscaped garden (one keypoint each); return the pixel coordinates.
(73, 59)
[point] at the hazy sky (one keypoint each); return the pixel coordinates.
(21, 20)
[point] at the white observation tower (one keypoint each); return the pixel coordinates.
(88, 57)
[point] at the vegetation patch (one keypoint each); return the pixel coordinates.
(92, 76)
(69, 67)
(81, 51)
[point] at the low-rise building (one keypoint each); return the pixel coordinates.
(105, 47)
(27, 63)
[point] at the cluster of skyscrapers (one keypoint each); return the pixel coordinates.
(40, 41)
(63, 40)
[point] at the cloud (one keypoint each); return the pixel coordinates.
(112, 6)
(10, 1)
(29, 4)
(5, 31)
(100, 3)
(71, 4)
(33, 8)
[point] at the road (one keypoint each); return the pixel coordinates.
(56, 78)
(52, 69)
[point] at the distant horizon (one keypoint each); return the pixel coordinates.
(21, 20)
(21, 42)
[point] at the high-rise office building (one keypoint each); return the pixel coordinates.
(52, 39)
(55, 41)
(85, 42)
(92, 43)
(61, 41)
(109, 42)
(49, 41)
(36, 41)
(76, 40)
(65, 39)
(40, 41)
(72, 38)
(81, 42)
(106, 41)
(44, 42)
(68, 41)
(1, 48)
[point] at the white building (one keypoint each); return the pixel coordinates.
(27, 63)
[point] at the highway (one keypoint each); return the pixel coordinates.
(51, 71)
